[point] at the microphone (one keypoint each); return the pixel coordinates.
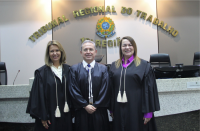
(16, 76)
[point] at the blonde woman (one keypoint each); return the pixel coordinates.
(49, 98)
(134, 90)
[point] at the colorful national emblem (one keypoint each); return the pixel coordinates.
(105, 27)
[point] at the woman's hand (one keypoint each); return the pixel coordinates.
(146, 120)
(44, 123)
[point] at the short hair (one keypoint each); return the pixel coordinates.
(88, 41)
(47, 59)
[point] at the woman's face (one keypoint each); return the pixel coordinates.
(54, 53)
(127, 48)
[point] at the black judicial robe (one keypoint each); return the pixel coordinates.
(142, 96)
(79, 90)
(42, 102)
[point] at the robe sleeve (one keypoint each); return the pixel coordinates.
(37, 104)
(148, 115)
(150, 100)
(112, 101)
(103, 98)
(75, 92)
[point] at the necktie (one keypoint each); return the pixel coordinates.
(88, 68)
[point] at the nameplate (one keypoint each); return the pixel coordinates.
(193, 84)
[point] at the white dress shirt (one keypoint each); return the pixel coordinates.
(57, 71)
(91, 64)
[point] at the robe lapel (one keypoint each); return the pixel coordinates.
(95, 68)
(83, 72)
(64, 72)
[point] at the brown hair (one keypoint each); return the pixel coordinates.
(136, 58)
(47, 59)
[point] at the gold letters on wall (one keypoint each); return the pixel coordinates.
(95, 9)
(104, 43)
(160, 24)
(143, 15)
(102, 9)
(47, 27)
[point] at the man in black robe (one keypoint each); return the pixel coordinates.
(89, 91)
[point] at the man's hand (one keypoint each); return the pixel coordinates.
(90, 109)
(44, 123)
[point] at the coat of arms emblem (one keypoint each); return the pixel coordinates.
(105, 27)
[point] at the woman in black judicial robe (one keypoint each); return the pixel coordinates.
(137, 96)
(49, 100)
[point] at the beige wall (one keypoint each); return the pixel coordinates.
(19, 19)
(69, 33)
(184, 17)
(143, 32)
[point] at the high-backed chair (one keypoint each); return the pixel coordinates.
(160, 60)
(3, 73)
(98, 58)
(196, 60)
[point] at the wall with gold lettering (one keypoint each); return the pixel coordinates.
(71, 32)
(158, 26)
(143, 32)
(84, 25)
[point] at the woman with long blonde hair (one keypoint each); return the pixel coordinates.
(134, 90)
(49, 102)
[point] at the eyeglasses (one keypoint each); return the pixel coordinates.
(125, 45)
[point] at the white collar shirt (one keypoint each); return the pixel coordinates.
(91, 64)
(57, 71)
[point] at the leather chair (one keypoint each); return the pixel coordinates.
(196, 60)
(98, 58)
(160, 60)
(3, 73)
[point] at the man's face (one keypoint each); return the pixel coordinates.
(88, 52)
